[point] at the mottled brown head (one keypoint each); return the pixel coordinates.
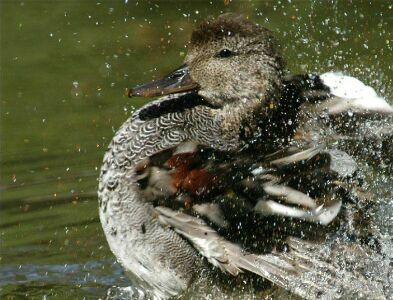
(226, 25)
(232, 59)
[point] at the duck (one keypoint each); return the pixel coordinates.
(228, 114)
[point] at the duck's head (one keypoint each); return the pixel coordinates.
(230, 59)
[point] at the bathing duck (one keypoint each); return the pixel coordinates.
(229, 102)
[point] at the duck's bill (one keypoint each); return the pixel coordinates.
(175, 82)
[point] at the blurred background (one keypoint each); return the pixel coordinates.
(64, 68)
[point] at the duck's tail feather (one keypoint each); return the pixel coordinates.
(306, 269)
(225, 255)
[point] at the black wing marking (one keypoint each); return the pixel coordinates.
(178, 103)
(305, 87)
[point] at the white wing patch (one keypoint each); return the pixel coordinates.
(353, 95)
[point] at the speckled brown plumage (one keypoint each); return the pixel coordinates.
(238, 104)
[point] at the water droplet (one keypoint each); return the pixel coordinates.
(105, 69)
(76, 91)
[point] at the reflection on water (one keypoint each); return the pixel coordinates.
(92, 277)
(64, 67)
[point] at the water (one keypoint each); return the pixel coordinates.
(64, 67)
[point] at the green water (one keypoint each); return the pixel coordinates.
(64, 68)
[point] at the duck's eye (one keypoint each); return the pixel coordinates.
(225, 53)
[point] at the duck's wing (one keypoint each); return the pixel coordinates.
(322, 214)
(335, 93)
(340, 108)
(309, 184)
(351, 96)
(227, 256)
(305, 270)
